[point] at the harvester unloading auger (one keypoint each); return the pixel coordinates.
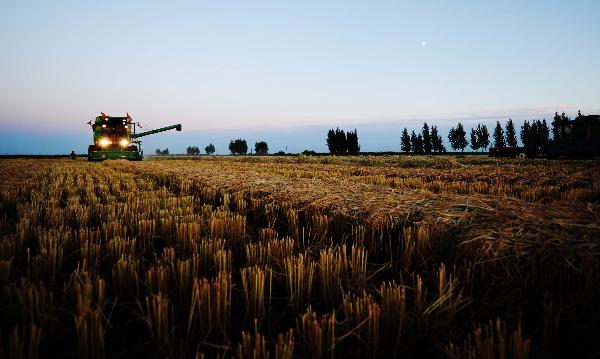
(116, 138)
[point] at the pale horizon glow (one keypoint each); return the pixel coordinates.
(223, 67)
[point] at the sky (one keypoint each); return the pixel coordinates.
(286, 71)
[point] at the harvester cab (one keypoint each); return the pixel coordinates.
(116, 138)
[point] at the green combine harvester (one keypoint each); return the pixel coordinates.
(116, 138)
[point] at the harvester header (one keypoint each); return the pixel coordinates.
(162, 129)
(116, 138)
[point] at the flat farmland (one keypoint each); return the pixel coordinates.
(282, 257)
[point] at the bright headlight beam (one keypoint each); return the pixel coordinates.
(124, 142)
(104, 142)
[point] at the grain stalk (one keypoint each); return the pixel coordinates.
(317, 334)
(89, 320)
(492, 341)
(159, 319)
(284, 347)
(358, 266)
(23, 342)
(210, 309)
(253, 346)
(258, 254)
(125, 277)
(299, 273)
(363, 316)
(36, 302)
(394, 319)
(332, 264)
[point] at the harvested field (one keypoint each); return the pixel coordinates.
(285, 257)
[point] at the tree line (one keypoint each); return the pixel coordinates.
(240, 147)
(426, 142)
(194, 150)
(534, 134)
(236, 147)
(342, 143)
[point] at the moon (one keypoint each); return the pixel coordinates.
(423, 43)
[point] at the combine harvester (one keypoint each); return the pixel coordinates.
(116, 138)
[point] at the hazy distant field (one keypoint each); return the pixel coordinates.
(286, 257)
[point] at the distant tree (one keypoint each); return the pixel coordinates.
(434, 135)
(340, 142)
(279, 153)
(436, 141)
(192, 150)
(261, 148)
(405, 141)
(331, 145)
(483, 136)
(210, 149)
(499, 136)
(420, 144)
(556, 121)
(352, 142)
(461, 137)
(427, 144)
(158, 152)
(417, 143)
(452, 138)
(238, 147)
(458, 138)
(337, 142)
(511, 134)
(535, 135)
(309, 153)
(526, 134)
(413, 142)
(560, 120)
(474, 140)
(543, 134)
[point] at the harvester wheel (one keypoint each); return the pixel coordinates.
(92, 148)
(521, 155)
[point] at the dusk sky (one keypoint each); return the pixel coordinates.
(286, 71)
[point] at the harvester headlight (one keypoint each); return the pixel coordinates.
(124, 142)
(105, 142)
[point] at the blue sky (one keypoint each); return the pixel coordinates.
(286, 71)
